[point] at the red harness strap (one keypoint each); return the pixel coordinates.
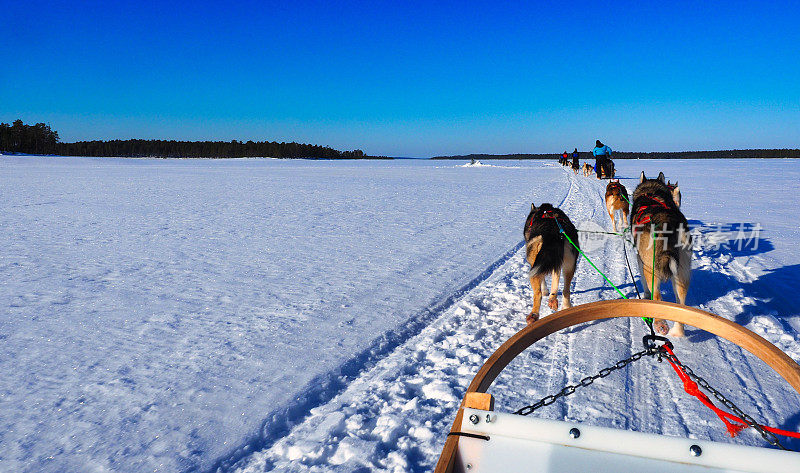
(640, 219)
(733, 423)
(546, 214)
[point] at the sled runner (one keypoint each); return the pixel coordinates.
(482, 440)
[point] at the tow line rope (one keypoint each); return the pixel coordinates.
(630, 271)
(647, 320)
(604, 233)
(561, 229)
(625, 252)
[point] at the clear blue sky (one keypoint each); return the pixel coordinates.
(410, 80)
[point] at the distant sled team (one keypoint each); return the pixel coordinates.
(603, 165)
(652, 215)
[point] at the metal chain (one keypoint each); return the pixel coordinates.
(547, 400)
(768, 436)
(566, 391)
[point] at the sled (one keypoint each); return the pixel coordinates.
(482, 440)
(607, 169)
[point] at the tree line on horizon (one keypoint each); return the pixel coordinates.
(41, 139)
(720, 154)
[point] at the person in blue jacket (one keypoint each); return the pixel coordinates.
(602, 153)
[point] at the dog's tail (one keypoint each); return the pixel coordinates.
(532, 249)
(668, 253)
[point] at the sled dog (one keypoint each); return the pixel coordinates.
(548, 251)
(676, 192)
(588, 169)
(661, 231)
(617, 200)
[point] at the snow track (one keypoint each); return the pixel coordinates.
(393, 415)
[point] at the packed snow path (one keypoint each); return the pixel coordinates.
(394, 416)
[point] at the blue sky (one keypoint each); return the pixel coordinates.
(417, 79)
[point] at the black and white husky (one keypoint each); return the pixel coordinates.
(548, 251)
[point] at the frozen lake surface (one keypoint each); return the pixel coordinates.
(185, 315)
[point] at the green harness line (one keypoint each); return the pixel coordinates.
(647, 320)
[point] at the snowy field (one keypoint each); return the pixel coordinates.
(255, 315)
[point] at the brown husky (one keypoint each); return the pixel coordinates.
(588, 170)
(661, 235)
(548, 251)
(617, 199)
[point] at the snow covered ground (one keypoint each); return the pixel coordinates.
(256, 315)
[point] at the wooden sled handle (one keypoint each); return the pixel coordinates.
(735, 333)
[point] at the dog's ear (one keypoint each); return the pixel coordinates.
(676, 196)
(676, 184)
(642, 178)
(661, 177)
(533, 207)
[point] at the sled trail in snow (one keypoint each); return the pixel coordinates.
(394, 416)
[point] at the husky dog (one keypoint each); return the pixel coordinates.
(661, 231)
(617, 199)
(575, 166)
(606, 170)
(588, 169)
(548, 251)
(676, 192)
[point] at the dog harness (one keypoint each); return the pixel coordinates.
(546, 214)
(615, 185)
(640, 218)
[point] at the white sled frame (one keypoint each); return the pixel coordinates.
(451, 458)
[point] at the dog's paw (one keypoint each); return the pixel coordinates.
(677, 331)
(552, 302)
(660, 327)
(532, 317)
